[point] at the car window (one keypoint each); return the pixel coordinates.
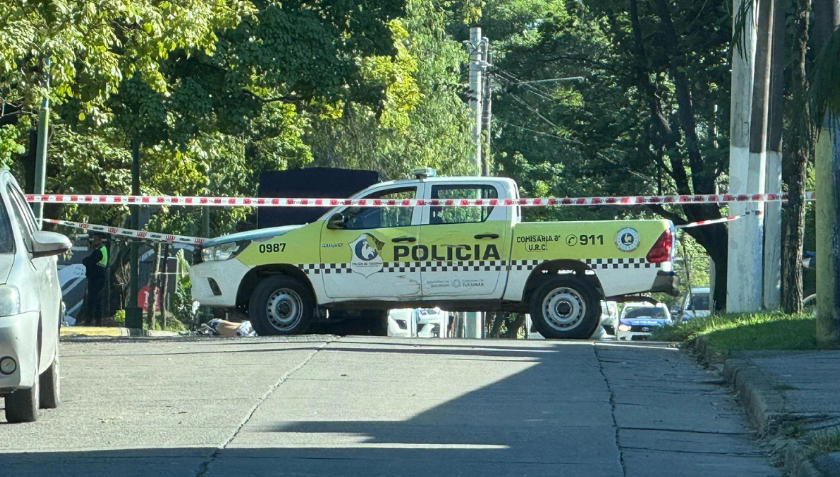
(23, 216)
(699, 301)
(461, 215)
(7, 240)
(382, 217)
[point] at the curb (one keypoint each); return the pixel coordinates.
(764, 405)
(112, 332)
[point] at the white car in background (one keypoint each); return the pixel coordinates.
(695, 304)
(638, 320)
(431, 322)
(401, 323)
(30, 307)
(417, 322)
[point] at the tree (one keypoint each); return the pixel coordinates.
(651, 108)
(826, 110)
(422, 122)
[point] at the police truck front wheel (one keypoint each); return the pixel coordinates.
(281, 305)
(565, 307)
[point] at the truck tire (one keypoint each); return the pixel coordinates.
(22, 405)
(281, 305)
(565, 307)
(50, 386)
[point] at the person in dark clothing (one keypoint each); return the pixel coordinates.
(95, 266)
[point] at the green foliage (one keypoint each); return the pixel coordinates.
(9, 145)
(422, 122)
(119, 317)
(825, 441)
(771, 330)
(93, 45)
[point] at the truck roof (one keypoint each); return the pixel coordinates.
(450, 180)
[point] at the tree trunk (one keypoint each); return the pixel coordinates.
(513, 326)
(496, 327)
(713, 239)
(827, 164)
(150, 299)
(800, 138)
(164, 283)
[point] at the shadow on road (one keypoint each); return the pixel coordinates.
(375, 408)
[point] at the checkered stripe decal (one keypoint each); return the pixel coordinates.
(325, 268)
(474, 266)
(411, 267)
(593, 263)
(467, 266)
(613, 263)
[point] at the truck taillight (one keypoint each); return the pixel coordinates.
(661, 250)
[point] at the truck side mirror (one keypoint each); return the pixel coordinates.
(337, 221)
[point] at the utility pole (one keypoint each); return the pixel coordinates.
(41, 149)
(133, 313)
(757, 173)
(773, 177)
(473, 320)
(743, 281)
(487, 111)
(475, 49)
(827, 159)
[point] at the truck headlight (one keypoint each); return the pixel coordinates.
(623, 327)
(9, 300)
(223, 251)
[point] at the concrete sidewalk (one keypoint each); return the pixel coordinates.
(98, 331)
(791, 397)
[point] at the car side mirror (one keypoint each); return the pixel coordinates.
(47, 244)
(675, 310)
(337, 221)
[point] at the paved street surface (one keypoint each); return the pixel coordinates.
(323, 406)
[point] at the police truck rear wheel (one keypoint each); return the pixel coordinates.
(565, 308)
(281, 305)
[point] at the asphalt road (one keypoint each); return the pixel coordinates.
(324, 406)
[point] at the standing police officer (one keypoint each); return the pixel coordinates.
(95, 266)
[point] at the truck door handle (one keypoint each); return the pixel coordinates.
(492, 236)
(404, 239)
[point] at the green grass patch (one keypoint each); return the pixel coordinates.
(825, 442)
(746, 331)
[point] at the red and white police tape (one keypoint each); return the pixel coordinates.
(284, 202)
(717, 221)
(140, 234)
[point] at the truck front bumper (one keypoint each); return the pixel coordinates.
(666, 282)
(216, 283)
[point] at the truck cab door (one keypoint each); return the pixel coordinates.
(467, 247)
(365, 250)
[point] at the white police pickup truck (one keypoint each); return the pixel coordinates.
(365, 260)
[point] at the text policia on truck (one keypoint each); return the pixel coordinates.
(358, 262)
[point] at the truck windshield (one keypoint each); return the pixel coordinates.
(647, 312)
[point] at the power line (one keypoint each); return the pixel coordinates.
(537, 113)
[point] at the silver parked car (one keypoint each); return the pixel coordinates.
(30, 307)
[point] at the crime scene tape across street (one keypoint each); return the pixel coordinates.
(716, 221)
(140, 234)
(288, 202)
